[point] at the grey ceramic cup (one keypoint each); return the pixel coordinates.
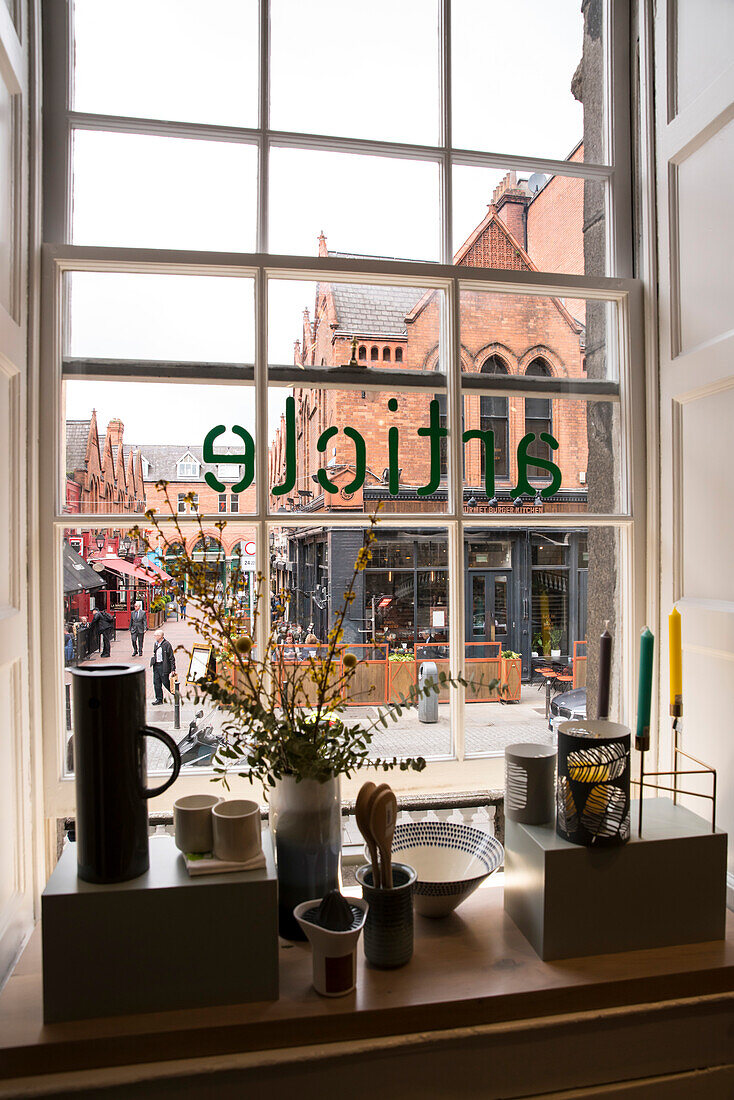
(236, 827)
(388, 929)
(192, 822)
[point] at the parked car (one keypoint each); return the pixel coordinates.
(571, 704)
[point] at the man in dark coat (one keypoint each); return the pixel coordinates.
(163, 664)
(138, 627)
(105, 622)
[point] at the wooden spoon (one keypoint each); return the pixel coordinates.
(383, 817)
(362, 812)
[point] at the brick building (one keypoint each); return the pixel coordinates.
(526, 590)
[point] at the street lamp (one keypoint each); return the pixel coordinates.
(100, 542)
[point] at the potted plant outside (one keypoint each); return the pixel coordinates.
(510, 675)
(555, 642)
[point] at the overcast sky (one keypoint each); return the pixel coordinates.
(338, 66)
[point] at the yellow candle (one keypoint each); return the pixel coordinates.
(676, 659)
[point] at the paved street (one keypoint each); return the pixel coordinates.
(489, 726)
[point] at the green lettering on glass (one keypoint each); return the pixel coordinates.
(435, 433)
(360, 460)
(247, 459)
(392, 454)
(290, 449)
(487, 439)
(326, 484)
(524, 460)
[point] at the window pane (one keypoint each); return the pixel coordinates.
(398, 619)
(541, 99)
(538, 606)
(528, 220)
(168, 59)
(111, 569)
(122, 438)
(507, 333)
(183, 318)
(589, 456)
(344, 97)
(363, 205)
(318, 466)
(160, 192)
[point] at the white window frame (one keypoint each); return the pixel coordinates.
(625, 353)
(187, 468)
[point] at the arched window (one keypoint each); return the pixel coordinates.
(362, 352)
(374, 354)
(386, 355)
(494, 416)
(538, 417)
(398, 355)
(443, 421)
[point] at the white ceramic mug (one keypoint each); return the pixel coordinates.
(236, 828)
(192, 822)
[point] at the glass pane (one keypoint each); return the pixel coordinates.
(540, 613)
(353, 450)
(167, 59)
(160, 192)
(531, 334)
(528, 221)
(588, 457)
(398, 619)
(182, 318)
(344, 98)
(110, 570)
(361, 205)
(122, 438)
(541, 99)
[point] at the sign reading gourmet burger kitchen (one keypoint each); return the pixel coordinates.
(434, 433)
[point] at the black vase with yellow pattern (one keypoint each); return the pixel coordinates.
(593, 788)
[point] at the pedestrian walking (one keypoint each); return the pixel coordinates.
(138, 627)
(163, 663)
(105, 623)
(182, 605)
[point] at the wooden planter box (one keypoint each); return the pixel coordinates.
(511, 677)
(403, 676)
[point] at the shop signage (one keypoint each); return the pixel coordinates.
(434, 433)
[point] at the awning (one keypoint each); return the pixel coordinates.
(149, 563)
(78, 576)
(126, 568)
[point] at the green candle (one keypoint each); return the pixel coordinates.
(644, 697)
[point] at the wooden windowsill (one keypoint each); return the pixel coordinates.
(474, 968)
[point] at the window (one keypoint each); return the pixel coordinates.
(429, 252)
(494, 417)
(539, 416)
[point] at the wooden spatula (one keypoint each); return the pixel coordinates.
(383, 816)
(362, 812)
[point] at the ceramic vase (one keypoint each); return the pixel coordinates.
(305, 820)
(593, 788)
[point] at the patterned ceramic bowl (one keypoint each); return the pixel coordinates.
(450, 860)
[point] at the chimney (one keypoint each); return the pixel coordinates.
(323, 250)
(115, 428)
(511, 200)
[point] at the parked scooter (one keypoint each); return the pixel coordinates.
(201, 742)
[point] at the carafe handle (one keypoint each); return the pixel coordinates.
(153, 731)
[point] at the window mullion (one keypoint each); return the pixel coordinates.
(456, 504)
(263, 175)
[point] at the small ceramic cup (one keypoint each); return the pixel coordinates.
(192, 822)
(334, 953)
(236, 828)
(388, 930)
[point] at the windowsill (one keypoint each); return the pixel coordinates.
(473, 969)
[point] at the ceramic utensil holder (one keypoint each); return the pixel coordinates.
(593, 789)
(388, 930)
(334, 953)
(530, 783)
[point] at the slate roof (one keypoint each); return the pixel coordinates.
(163, 459)
(374, 310)
(77, 434)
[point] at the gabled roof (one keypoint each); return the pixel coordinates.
(164, 459)
(373, 310)
(77, 435)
